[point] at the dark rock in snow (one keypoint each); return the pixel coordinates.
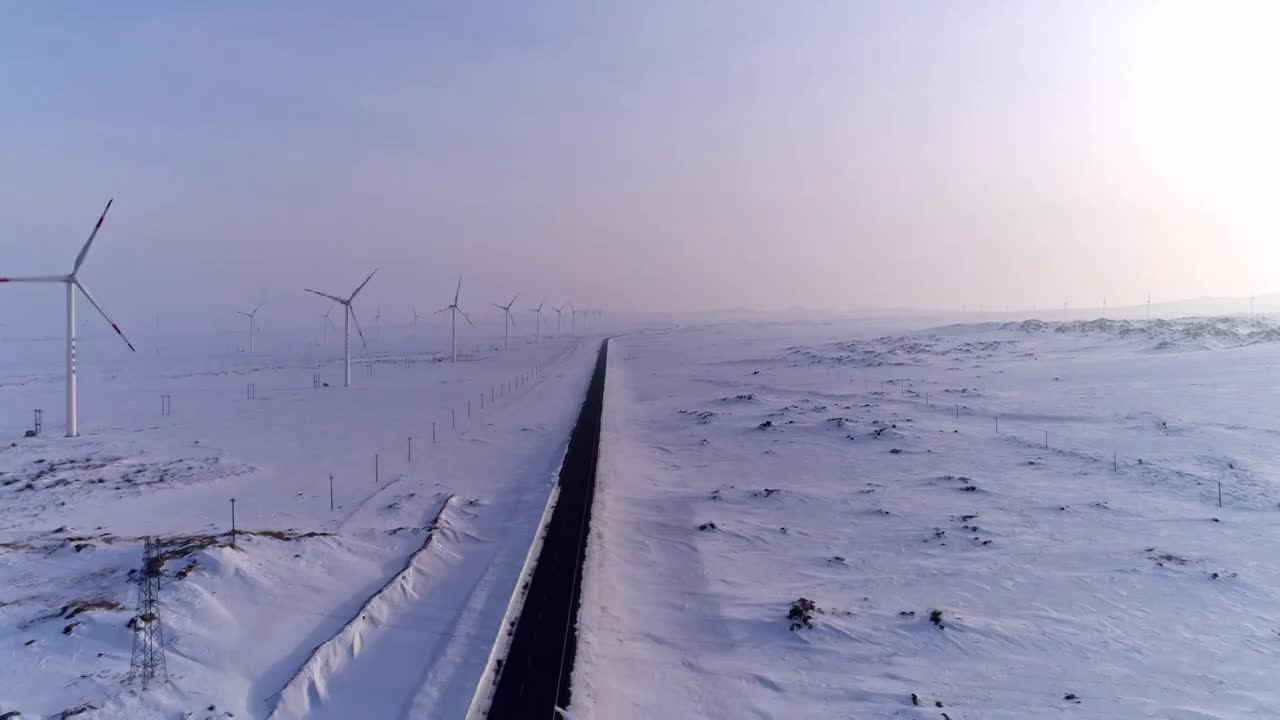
(801, 613)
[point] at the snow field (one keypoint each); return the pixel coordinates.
(956, 572)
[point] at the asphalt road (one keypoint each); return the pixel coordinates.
(535, 675)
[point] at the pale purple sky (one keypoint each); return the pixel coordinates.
(657, 155)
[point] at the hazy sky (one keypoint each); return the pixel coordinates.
(646, 155)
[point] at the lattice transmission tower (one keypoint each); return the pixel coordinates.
(148, 662)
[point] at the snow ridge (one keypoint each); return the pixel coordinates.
(309, 684)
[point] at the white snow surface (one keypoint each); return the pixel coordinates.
(987, 574)
(336, 614)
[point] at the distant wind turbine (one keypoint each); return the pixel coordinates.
(377, 322)
(558, 311)
(453, 321)
(349, 314)
(416, 318)
(507, 321)
(573, 318)
(251, 316)
(72, 282)
(537, 333)
(327, 322)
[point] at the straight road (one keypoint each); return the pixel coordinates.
(536, 672)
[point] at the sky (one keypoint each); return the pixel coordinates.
(659, 156)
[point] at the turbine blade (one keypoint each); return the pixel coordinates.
(465, 317)
(366, 282)
(500, 307)
(35, 279)
(458, 291)
(85, 250)
(443, 309)
(255, 310)
(356, 320)
(334, 298)
(112, 323)
(513, 317)
(513, 300)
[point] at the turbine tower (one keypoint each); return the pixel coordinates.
(537, 333)
(349, 314)
(453, 321)
(251, 316)
(507, 321)
(416, 318)
(573, 319)
(72, 282)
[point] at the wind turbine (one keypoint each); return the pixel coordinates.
(453, 321)
(327, 323)
(377, 321)
(251, 316)
(558, 311)
(416, 318)
(1148, 305)
(72, 282)
(349, 314)
(537, 334)
(573, 318)
(507, 321)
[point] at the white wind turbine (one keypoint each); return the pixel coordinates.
(348, 315)
(537, 334)
(573, 318)
(72, 282)
(453, 321)
(558, 311)
(251, 316)
(416, 318)
(507, 321)
(327, 323)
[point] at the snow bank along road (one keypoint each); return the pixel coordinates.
(533, 679)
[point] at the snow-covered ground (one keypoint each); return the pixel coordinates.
(955, 570)
(315, 613)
